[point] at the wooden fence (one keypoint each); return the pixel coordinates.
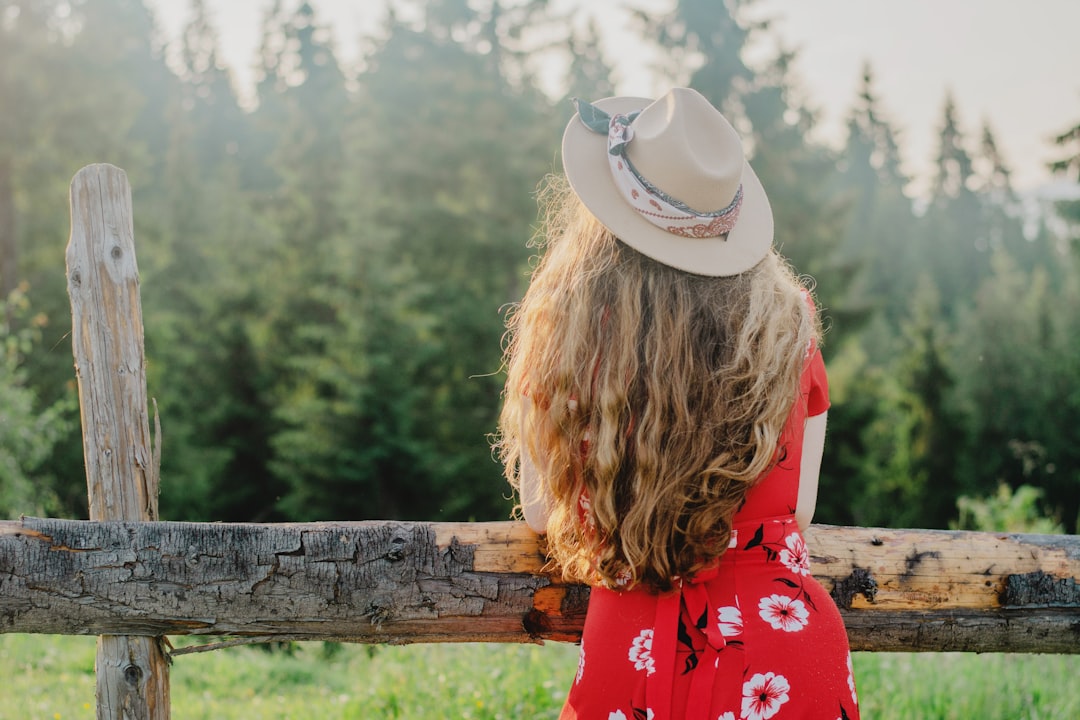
(131, 579)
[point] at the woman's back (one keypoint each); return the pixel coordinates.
(752, 637)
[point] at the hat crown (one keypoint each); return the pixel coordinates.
(684, 147)
(690, 199)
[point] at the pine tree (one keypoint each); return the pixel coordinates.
(589, 75)
(937, 433)
(1002, 218)
(209, 100)
(307, 157)
(952, 244)
(207, 131)
(703, 47)
(881, 222)
(499, 33)
(1068, 166)
(269, 114)
(993, 178)
(954, 164)
(873, 152)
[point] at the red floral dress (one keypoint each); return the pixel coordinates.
(753, 638)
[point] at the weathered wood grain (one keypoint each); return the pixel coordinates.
(107, 342)
(110, 366)
(391, 582)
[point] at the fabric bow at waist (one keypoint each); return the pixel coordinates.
(707, 611)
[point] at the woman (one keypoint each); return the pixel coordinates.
(664, 420)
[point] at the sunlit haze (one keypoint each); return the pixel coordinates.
(1014, 69)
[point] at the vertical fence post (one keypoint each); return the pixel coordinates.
(110, 364)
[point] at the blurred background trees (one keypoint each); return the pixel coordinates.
(326, 265)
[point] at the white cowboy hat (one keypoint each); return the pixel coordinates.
(670, 179)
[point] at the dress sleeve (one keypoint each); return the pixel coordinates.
(817, 399)
(815, 382)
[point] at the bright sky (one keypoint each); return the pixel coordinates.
(1014, 65)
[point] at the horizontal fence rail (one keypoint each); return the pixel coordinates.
(407, 582)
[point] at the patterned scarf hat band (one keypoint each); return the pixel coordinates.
(656, 206)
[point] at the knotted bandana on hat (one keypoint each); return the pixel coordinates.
(653, 204)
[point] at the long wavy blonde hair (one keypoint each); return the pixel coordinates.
(658, 395)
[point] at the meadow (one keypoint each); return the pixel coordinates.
(52, 678)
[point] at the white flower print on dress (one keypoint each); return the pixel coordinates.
(727, 716)
(795, 557)
(620, 715)
(729, 621)
(763, 694)
(585, 508)
(783, 613)
(851, 679)
(641, 652)
(580, 663)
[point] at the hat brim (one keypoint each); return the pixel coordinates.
(585, 163)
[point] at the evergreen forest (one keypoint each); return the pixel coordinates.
(326, 265)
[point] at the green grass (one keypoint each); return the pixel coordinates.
(51, 678)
